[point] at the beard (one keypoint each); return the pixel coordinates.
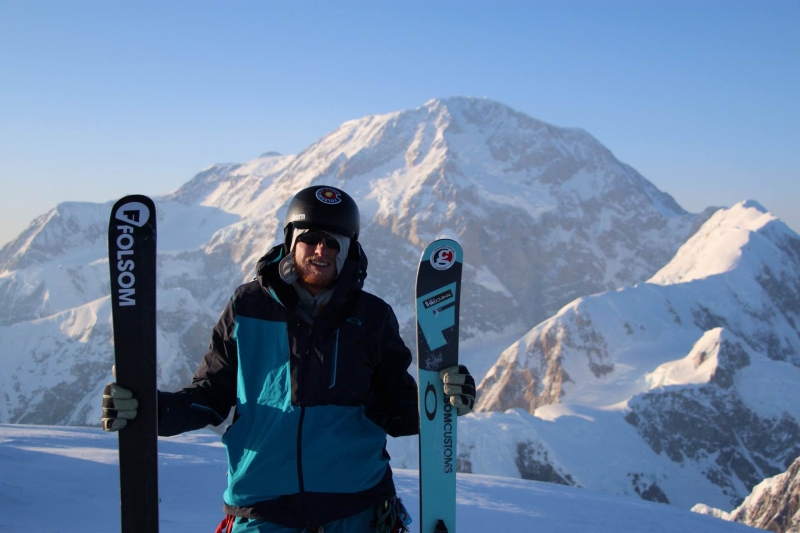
(311, 276)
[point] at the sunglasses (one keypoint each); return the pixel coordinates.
(315, 237)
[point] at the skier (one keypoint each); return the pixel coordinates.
(317, 373)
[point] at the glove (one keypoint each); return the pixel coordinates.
(119, 406)
(460, 387)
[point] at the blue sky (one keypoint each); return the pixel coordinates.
(102, 99)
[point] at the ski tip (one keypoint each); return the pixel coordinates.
(136, 209)
(443, 254)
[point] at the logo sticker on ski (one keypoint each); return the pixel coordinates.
(430, 392)
(443, 258)
(125, 265)
(430, 302)
(135, 213)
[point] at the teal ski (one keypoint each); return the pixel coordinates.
(438, 296)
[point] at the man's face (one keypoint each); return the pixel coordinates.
(315, 260)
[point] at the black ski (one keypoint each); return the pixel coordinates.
(438, 298)
(132, 262)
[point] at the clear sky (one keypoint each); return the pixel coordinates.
(102, 99)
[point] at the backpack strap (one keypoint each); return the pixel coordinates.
(226, 526)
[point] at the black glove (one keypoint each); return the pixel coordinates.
(119, 406)
(459, 385)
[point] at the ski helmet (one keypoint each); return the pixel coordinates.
(322, 207)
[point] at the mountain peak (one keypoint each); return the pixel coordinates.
(723, 241)
(752, 204)
(464, 103)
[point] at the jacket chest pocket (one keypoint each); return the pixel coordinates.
(347, 369)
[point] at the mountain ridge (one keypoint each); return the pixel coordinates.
(705, 369)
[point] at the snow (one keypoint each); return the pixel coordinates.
(697, 367)
(772, 505)
(475, 352)
(65, 480)
(769, 387)
(596, 447)
(183, 227)
(717, 247)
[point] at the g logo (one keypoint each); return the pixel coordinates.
(430, 391)
(443, 258)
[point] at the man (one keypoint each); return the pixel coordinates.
(317, 373)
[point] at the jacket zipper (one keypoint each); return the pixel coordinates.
(300, 393)
(335, 360)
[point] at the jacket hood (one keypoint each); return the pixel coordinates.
(350, 280)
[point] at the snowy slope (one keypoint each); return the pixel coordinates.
(71, 474)
(684, 389)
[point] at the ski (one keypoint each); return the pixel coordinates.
(438, 296)
(132, 264)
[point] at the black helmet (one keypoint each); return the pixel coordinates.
(322, 207)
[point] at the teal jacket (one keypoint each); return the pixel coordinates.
(314, 398)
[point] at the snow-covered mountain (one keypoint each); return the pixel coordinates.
(545, 214)
(773, 505)
(684, 389)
